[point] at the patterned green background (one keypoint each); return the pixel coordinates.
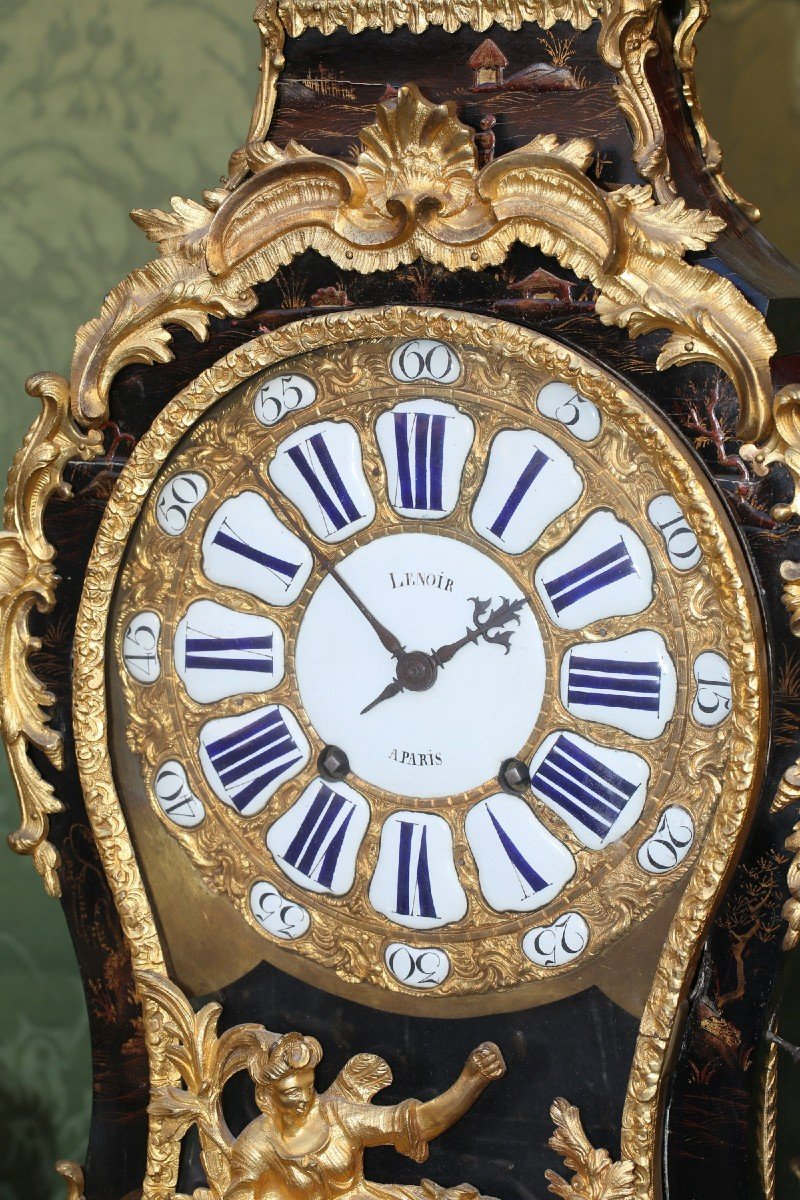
(110, 106)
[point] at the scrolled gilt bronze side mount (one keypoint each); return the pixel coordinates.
(430, 611)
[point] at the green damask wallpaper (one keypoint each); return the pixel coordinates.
(106, 107)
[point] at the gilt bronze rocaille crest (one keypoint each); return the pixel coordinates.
(422, 519)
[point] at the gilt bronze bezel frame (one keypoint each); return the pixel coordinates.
(336, 956)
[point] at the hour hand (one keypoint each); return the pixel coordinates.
(416, 672)
(506, 613)
(392, 689)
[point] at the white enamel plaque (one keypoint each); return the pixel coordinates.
(629, 683)
(424, 444)
(415, 882)
(220, 652)
(316, 842)
(245, 546)
(319, 469)
(598, 791)
(246, 758)
(521, 866)
(603, 571)
(529, 482)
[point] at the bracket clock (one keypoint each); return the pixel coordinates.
(415, 545)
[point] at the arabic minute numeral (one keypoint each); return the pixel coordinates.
(714, 695)
(560, 402)
(283, 918)
(683, 549)
(425, 359)
(282, 395)
(176, 799)
(557, 944)
(177, 501)
(670, 843)
(417, 967)
(140, 647)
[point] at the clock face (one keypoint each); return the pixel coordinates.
(422, 658)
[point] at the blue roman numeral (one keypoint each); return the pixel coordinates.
(605, 568)
(416, 900)
(614, 683)
(580, 784)
(420, 482)
(206, 652)
(526, 874)
(327, 487)
(315, 848)
(250, 758)
(519, 491)
(228, 539)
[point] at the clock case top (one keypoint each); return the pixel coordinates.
(620, 78)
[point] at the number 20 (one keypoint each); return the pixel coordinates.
(670, 843)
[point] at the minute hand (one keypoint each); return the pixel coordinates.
(505, 612)
(386, 638)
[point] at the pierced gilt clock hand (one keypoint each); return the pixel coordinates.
(392, 689)
(416, 671)
(385, 636)
(505, 612)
